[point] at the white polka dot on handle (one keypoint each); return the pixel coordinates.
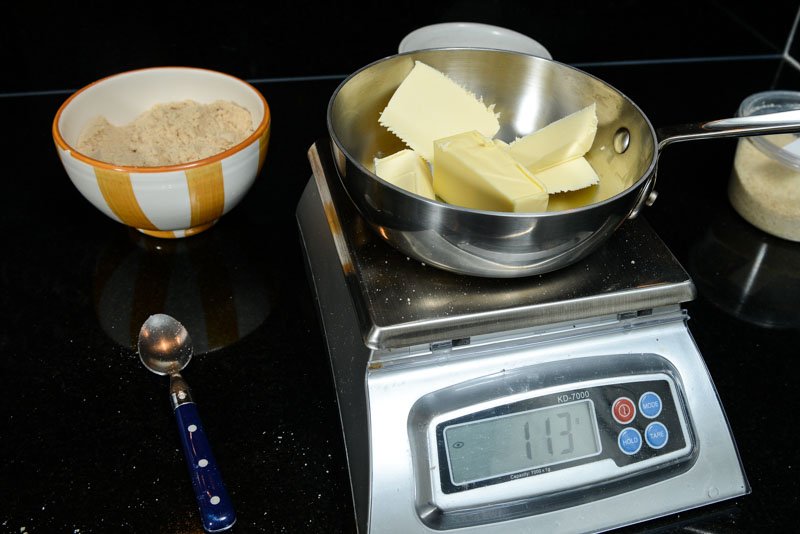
(203, 462)
(192, 428)
(215, 499)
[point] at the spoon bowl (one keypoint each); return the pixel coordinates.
(165, 346)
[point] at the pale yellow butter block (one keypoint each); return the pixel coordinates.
(608, 186)
(501, 144)
(428, 106)
(565, 139)
(470, 170)
(414, 183)
(569, 176)
(407, 170)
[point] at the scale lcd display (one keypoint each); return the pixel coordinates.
(521, 441)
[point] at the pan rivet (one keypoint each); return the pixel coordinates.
(622, 140)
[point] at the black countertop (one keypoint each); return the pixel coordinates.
(88, 442)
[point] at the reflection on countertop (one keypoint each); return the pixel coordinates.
(206, 281)
(748, 273)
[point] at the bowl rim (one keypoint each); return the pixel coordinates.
(257, 132)
(407, 44)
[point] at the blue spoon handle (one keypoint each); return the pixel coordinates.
(216, 508)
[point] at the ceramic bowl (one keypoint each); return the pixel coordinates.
(168, 201)
(471, 35)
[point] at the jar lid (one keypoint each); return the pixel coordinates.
(772, 102)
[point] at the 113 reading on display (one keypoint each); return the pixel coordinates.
(507, 444)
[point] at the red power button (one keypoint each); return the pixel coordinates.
(623, 410)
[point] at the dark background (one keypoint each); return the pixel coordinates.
(87, 442)
(73, 45)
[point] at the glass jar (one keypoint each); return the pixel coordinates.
(765, 184)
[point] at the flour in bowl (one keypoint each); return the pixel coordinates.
(168, 134)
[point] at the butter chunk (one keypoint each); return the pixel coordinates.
(501, 144)
(473, 172)
(428, 106)
(565, 139)
(569, 176)
(407, 170)
(608, 186)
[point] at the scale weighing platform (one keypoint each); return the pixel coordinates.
(574, 401)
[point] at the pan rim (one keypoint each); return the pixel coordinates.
(646, 175)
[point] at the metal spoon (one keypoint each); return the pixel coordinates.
(165, 348)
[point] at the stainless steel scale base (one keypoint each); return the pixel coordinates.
(419, 355)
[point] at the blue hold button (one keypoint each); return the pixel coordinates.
(656, 435)
(630, 441)
(650, 405)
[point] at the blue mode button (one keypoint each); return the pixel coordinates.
(650, 405)
(630, 441)
(656, 435)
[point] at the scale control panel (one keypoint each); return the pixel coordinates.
(538, 439)
(627, 423)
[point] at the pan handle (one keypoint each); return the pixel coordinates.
(770, 123)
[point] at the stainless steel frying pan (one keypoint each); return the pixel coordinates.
(528, 92)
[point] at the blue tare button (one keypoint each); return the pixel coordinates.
(650, 405)
(656, 435)
(630, 441)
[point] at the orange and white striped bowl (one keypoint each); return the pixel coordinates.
(170, 201)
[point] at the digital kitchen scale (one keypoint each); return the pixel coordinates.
(574, 401)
